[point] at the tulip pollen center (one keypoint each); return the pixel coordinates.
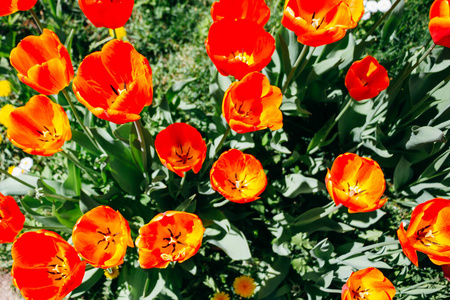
(118, 91)
(237, 184)
(47, 135)
(360, 294)
(316, 23)
(108, 237)
(243, 57)
(426, 237)
(172, 240)
(353, 190)
(57, 268)
(183, 158)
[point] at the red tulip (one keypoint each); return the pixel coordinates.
(238, 47)
(366, 78)
(255, 10)
(45, 266)
(43, 63)
(180, 148)
(11, 6)
(11, 219)
(368, 283)
(115, 84)
(440, 22)
(110, 13)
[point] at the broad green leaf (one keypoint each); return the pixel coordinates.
(73, 181)
(392, 23)
(297, 184)
(424, 135)
(12, 187)
(82, 139)
(177, 87)
(365, 220)
(68, 213)
(402, 173)
(91, 277)
(276, 272)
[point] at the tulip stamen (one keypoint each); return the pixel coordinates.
(58, 269)
(107, 237)
(426, 238)
(114, 90)
(172, 240)
(183, 157)
(315, 22)
(360, 294)
(243, 57)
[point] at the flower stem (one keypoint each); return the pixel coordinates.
(60, 197)
(77, 117)
(343, 110)
(16, 179)
(36, 20)
(294, 68)
(375, 26)
(88, 171)
(43, 227)
(327, 211)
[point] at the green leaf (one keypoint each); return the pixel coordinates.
(365, 220)
(91, 277)
(123, 132)
(87, 203)
(393, 22)
(424, 135)
(275, 274)
(68, 213)
(402, 173)
(73, 181)
(121, 163)
(12, 187)
(82, 139)
(297, 184)
(319, 138)
(177, 87)
(28, 202)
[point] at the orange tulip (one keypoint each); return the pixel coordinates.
(252, 104)
(238, 47)
(43, 63)
(321, 22)
(366, 78)
(428, 232)
(115, 84)
(11, 6)
(110, 14)
(368, 283)
(101, 237)
(356, 182)
(45, 266)
(11, 219)
(40, 127)
(180, 148)
(440, 22)
(169, 236)
(238, 177)
(255, 10)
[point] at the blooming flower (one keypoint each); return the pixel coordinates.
(356, 182)
(244, 286)
(115, 84)
(238, 47)
(255, 10)
(5, 88)
(11, 219)
(16, 171)
(384, 5)
(221, 296)
(43, 63)
(428, 232)
(101, 237)
(180, 148)
(40, 127)
(318, 23)
(366, 78)
(238, 177)
(169, 236)
(45, 266)
(110, 14)
(439, 25)
(112, 273)
(368, 283)
(371, 6)
(5, 111)
(26, 163)
(11, 6)
(252, 104)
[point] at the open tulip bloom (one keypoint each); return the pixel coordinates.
(368, 283)
(180, 147)
(440, 22)
(43, 63)
(40, 127)
(45, 266)
(170, 236)
(252, 104)
(11, 219)
(110, 14)
(321, 22)
(8, 7)
(115, 84)
(356, 182)
(239, 177)
(366, 78)
(101, 237)
(238, 47)
(428, 232)
(255, 10)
